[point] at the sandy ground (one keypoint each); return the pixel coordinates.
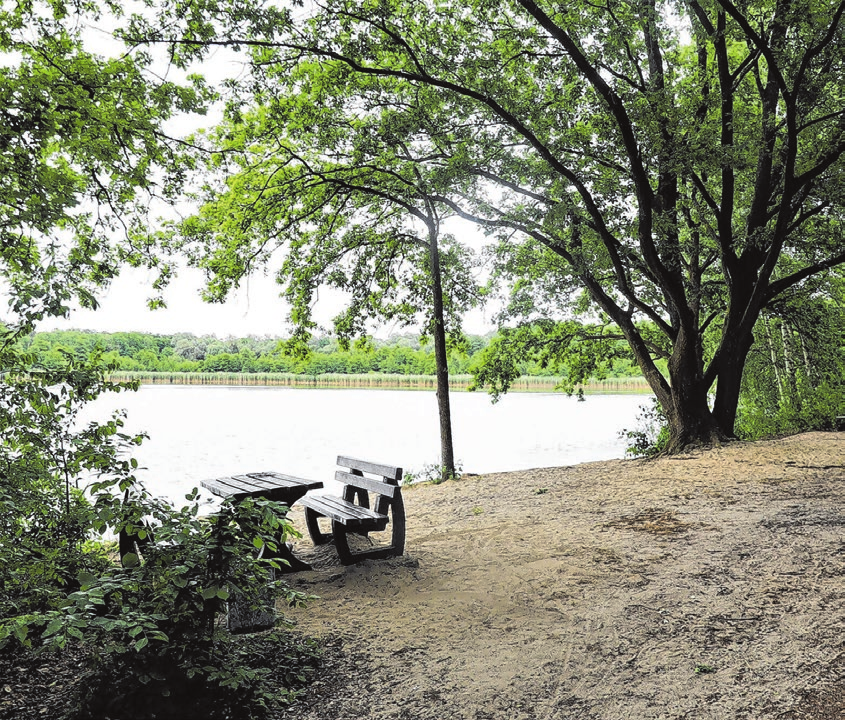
(705, 585)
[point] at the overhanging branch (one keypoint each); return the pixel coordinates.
(778, 286)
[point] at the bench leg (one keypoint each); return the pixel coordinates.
(132, 543)
(241, 618)
(396, 509)
(341, 542)
(317, 536)
(397, 520)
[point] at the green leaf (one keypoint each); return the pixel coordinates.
(141, 644)
(53, 627)
(86, 579)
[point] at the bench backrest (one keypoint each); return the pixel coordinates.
(386, 481)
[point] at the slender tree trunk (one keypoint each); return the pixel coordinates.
(788, 353)
(438, 330)
(808, 366)
(774, 358)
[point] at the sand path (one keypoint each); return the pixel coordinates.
(705, 585)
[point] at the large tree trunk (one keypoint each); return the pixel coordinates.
(691, 422)
(683, 398)
(728, 390)
(737, 339)
(438, 330)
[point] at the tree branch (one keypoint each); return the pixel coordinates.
(778, 286)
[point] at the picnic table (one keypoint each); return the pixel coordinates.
(270, 485)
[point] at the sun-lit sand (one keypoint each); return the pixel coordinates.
(705, 585)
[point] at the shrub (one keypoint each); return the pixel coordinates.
(651, 435)
(150, 623)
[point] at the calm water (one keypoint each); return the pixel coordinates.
(198, 432)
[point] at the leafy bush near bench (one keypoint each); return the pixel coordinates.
(149, 626)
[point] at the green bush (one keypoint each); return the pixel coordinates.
(155, 618)
(793, 379)
(432, 473)
(651, 435)
(149, 625)
(807, 408)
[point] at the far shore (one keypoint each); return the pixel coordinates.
(380, 381)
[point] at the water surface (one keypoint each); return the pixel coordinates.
(198, 432)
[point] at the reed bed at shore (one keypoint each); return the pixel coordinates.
(375, 381)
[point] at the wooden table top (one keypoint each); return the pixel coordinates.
(271, 485)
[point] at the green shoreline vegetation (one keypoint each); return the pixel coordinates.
(374, 381)
(399, 362)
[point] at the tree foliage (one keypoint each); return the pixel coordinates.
(679, 163)
(83, 157)
(576, 352)
(398, 354)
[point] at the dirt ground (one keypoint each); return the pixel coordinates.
(705, 585)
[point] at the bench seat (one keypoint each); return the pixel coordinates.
(355, 517)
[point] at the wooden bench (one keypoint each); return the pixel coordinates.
(351, 513)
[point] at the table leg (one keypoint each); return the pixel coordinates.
(284, 552)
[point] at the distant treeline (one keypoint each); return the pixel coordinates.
(186, 353)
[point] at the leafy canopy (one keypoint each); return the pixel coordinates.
(679, 162)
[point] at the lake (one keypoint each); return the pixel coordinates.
(197, 432)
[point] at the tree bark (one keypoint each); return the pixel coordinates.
(733, 353)
(438, 331)
(691, 422)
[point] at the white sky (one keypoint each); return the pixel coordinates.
(253, 309)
